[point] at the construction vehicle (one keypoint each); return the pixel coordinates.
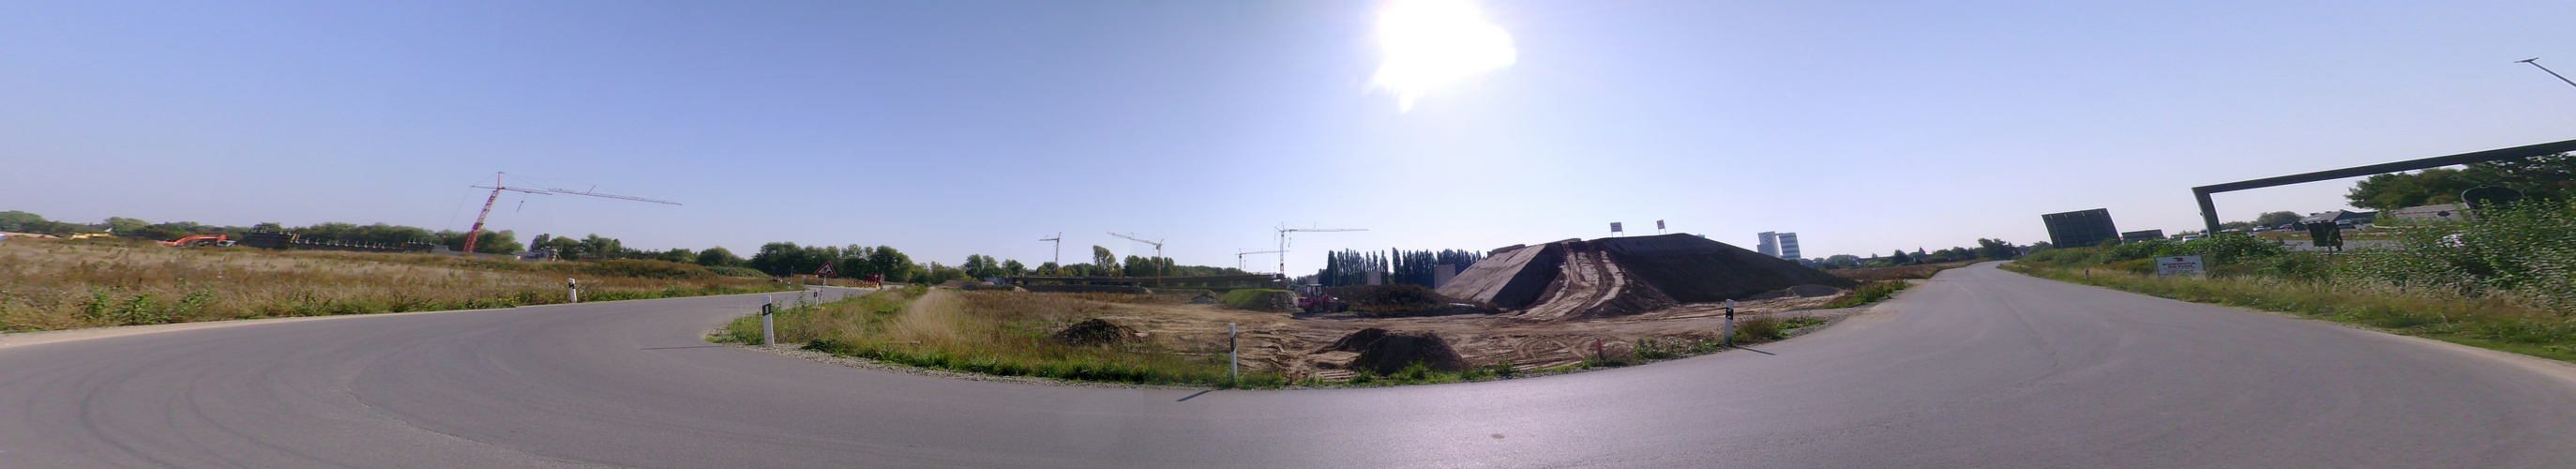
(499, 185)
(1322, 303)
(872, 281)
(201, 240)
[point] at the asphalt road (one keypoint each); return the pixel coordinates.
(1979, 367)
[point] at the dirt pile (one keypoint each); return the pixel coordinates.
(1381, 351)
(1096, 332)
(1618, 276)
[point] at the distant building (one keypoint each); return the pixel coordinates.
(1780, 245)
(2080, 228)
(2136, 236)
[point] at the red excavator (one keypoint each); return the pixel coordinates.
(201, 240)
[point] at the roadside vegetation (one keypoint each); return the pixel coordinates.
(997, 333)
(2500, 281)
(72, 284)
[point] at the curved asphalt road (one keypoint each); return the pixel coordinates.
(1977, 368)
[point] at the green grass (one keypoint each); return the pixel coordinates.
(2490, 322)
(1871, 292)
(1256, 299)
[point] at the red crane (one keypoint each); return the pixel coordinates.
(498, 186)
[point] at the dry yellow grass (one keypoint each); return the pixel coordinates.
(52, 285)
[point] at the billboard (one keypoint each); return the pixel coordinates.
(2080, 228)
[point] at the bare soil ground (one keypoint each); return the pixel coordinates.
(1289, 342)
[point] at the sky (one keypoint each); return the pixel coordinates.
(961, 127)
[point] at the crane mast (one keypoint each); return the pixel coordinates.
(476, 233)
(1283, 242)
(1158, 255)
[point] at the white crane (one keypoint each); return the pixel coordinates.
(1058, 239)
(1238, 257)
(1284, 230)
(497, 186)
(1158, 255)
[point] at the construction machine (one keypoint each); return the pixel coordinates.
(200, 240)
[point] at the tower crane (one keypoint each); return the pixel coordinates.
(1058, 239)
(1238, 257)
(498, 185)
(1158, 255)
(1284, 230)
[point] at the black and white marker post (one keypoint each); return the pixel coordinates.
(1233, 367)
(1729, 332)
(572, 290)
(767, 336)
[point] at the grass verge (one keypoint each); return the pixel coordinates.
(57, 285)
(2486, 322)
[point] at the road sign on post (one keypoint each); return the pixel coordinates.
(825, 270)
(2178, 265)
(1614, 227)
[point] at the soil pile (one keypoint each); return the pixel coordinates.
(1095, 332)
(1616, 276)
(1383, 352)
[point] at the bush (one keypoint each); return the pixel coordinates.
(1396, 298)
(732, 271)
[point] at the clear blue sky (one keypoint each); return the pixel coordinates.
(955, 128)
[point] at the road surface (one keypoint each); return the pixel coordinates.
(1978, 367)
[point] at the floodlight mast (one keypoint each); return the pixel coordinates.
(1284, 230)
(1158, 255)
(2535, 61)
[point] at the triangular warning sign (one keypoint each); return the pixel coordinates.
(826, 269)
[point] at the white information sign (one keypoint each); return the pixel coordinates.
(2178, 265)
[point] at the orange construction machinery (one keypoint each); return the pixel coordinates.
(200, 240)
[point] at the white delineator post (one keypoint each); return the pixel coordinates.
(767, 336)
(572, 290)
(1233, 367)
(1728, 335)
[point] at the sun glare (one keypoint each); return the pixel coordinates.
(1432, 43)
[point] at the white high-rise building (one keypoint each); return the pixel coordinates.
(1770, 245)
(1789, 246)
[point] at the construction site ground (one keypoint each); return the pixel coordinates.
(1288, 342)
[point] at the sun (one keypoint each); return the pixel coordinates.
(1428, 44)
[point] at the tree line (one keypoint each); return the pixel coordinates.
(1351, 267)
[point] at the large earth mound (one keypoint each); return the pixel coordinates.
(1096, 332)
(1614, 276)
(1385, 352)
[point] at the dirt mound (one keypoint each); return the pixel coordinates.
(1095, 332)
(1381, 351)
(1203, 299)
(1614, 276)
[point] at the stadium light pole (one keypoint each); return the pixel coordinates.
(2535, 61)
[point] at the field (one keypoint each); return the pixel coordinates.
(65, 284)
